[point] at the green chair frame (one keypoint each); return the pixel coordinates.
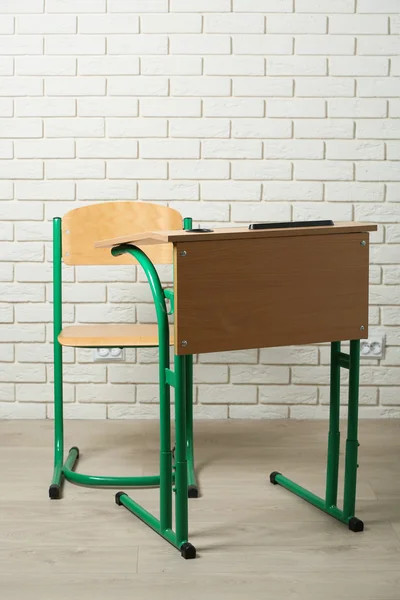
(65, 470)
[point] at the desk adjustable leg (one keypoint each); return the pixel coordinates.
(193, 491)
(328, 505)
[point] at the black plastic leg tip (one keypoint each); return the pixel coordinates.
(118, 498)
(356, 525)
(75, 448)
(188, 551)
(54, 492)
(272, 477)
(193, 491)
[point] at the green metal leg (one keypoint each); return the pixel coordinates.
(328, 505)
(55, 487)
(193, 491)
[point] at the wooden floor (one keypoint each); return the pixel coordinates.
(254, 540)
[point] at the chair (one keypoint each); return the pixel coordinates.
(73, 244)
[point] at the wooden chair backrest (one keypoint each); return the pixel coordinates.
(84, 226)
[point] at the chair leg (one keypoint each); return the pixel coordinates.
(55, 487)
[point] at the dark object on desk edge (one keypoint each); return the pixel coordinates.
(291, 224)
(198, 230)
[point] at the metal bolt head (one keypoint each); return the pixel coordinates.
(363, 243)
(184, 343)
(183, 253)
(362, 328)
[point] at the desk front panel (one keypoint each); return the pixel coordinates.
(258, 293)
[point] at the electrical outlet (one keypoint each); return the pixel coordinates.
(106, 354)
(373, 347)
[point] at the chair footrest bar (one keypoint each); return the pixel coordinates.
(186, 549)
(333, 511)
(343, 360)
(170, 377)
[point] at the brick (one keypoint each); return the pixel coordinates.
(21, 128)
(256, 86)
(152, 190)
(75, 6)
(379, 87)
(234, 23)
(20, 86)
(75, 45)
(22, 411)
(392, 357)
(75, 169)
(34, 314)
(84, 292)
(201, 44)
(22, 293)
(232, 149)
(394, 24)
(21, 44)
(234, 65)
(355, 150)
(46, 24)
(294, 149)
(296, 108)
(33, 231)
(260, 212)
(265, 128)
(296, 23)
(6, 151)
(28, 333)
(392, 234)
(383, 213)
(389, 395)
(7, 25)
(325, 44)
(394, 108)
(325, 87)
(292, 191)
(327, 128)
(108, 24)
(210, 374)
(263, 6)
(44, 149)
(368, 24)
(261, 169)
(171, 65)
(339, 212)
(108, 65)
(238, 356)
(231, 190)
(6, 232)
(76, 86)
(384, 6)
(6, 190)
(200, 86)
(274, 394)
(45, 107)
(129, 292)
(325, 6)
(358, 66)
(378, 129)
(13, 211)
(93, 127)
(170, 23)
(259, 374)
(391, 275)
(21, 170)
(7, 316)
(322, 171)
(199, 128)
(203, 212)
(98, 392)
(376, 45)
(147, 394)
(40, 392)
(22, 6)
(14, 373)
(170, 107)
(356, 107)
(45, 65)
(6, 67)
(133, 374)
(236, 107)
(371, 171)
(137, 169)
(106, 190)
(258, 411)
(393, 189)
(200, 6)
(297, 65)
(137, 128)
(262, 44)
(145, 6)
(6, 108)
(380, 376)
(107, 107)
(292, 355)
(80, 411)
(106, 273)
(45, 190)
(137, 44)
(391, 316)
(199, 169)
(107, 149)
(227, 394)
(7, 393)
(170, 149)
(382, 295)
(354, 192)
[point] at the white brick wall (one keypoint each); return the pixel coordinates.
(228, 111)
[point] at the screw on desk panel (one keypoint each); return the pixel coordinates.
(184, 343)
(363, 243)
(362, 328)
(183, 253)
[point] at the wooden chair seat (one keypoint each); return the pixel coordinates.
(98, 336)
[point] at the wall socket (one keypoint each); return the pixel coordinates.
(372, 347)
(108, 354)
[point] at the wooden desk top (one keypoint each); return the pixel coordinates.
(231, 233)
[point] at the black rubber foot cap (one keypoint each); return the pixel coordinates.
(118, 498)
(75, 448)
(356, 525)
(188, 551)
(272, 477)
(193, 491)
(54, 492)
